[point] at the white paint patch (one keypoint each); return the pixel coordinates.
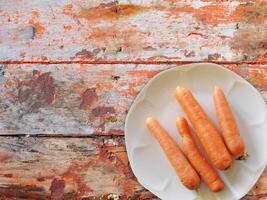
(199, 4)
(233, 6)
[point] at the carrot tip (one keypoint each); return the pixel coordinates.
(149, 120)
(180, 89)
(217, 88)
(180, 119)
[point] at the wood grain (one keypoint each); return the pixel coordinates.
(74, 168)
(66, 168)
(133, 31)
(80, 99)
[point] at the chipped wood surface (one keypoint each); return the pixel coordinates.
(80, 99)
(69, 71)
(66, 168)
(139, 31)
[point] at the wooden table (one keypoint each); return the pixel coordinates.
(71, 69)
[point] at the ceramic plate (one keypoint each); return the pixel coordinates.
(157, 99)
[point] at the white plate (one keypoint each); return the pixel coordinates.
(157, 99)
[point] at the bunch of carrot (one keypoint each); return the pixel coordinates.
(192, 164)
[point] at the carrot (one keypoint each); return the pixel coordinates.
(181, 165)
(230, 131)
(197, 159)
(205, 130)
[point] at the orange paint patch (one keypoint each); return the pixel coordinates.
(259, 81)
(113, 12)
(104, 72)
(104, 86)
(130, 92)
(212, 14)
(111, 33)
(176, 11)
(145, 73)
(122, 156)
(79, 87)
(68, 9)
(234, 67)
(38, 26)
(73, 176)
(35, 13)
(172, 1)
(83, 68)
(115, 149)
(251, 13)
(262, 58)
(129, 186)
(138, 83)
(258, 76)
(67, 27)
(19, 180)
(99, 34)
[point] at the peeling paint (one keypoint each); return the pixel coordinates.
(68, 9)
(137, 32)
(112, 12)
(251, 12)
(38, 27)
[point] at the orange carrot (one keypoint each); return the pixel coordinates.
(197, 159)
(230, 132)
(205, 130)
(181, 165)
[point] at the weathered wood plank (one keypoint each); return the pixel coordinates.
(122, 30)
(74, 168)
(80, 99)
(69, 99)
(66, 168)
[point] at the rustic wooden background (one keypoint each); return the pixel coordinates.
(70, 69)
